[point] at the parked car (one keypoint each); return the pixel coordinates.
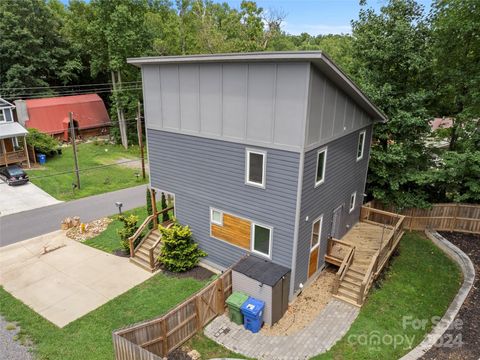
(14, 175)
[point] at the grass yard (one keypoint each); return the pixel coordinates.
(93, 181)
(91, 336)
(109, 240)
(419, 284)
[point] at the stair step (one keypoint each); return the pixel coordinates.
(347, 300)
(143, 251)
(143, 256)
(357, 269)
(350, 285)
(347, 293)
(353, 274)
(143, 264)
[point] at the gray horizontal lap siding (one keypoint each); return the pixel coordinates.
(343, 175)
(204, 173)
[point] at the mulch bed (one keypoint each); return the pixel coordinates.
(198, 273)
(463, 343)
(121, 253)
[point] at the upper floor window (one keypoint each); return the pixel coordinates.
(353, 200)
(255, 168)
(321, 164)
(361, 145)
(2, 116)
(261, 239)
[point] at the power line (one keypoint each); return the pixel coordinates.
(27, 96)
(77, 128)
(67, 86)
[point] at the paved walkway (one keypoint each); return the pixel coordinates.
(28, 224)
(15, 199)
(322, 333)
(67, 282)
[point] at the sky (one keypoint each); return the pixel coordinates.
(317, 16)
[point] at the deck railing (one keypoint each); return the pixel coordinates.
(393, 224)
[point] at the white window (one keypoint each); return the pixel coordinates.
(353, 199)
(261, 239)
(316, 233)
(255, 168)
(321, 165)
(361, 145)
(216, 217)
(2, 116)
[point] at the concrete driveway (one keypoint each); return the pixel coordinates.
(14, 199)
(69, 280)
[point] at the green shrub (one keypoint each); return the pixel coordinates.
(128, 229)
(179, 252)
(163, 204)
(42, 143)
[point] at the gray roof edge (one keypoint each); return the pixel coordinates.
(338, 76)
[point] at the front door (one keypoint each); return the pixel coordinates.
(336, 222)
(315, 246)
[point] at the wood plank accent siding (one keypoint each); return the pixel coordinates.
(312, 265)
(235, 230)
(155, 339)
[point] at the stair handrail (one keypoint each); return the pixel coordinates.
(342, 271)
(137, 234)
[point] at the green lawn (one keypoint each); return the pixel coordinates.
(420, 283)
(91, 336)
(109, 240)
(57, 176)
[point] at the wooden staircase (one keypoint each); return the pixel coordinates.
(146, 253)
(362, 253)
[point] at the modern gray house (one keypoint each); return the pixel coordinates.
(265, 153)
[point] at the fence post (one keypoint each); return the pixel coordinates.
(220, 296)
(454, 222)
(197, 312)
(165, 337)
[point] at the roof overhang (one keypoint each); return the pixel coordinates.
(317, 58)
(12, 129)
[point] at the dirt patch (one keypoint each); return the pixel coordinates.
(462, 342)
(305, 307)
(198, 273)
(131, 163)
(121, 253)
(89, 230)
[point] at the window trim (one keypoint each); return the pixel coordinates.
(319, 219)
(249, 151)
(212, 221)
(252, 240)
(353, 205)
(322, 180)
(364, 133)
(4, 117)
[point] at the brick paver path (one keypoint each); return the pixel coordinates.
(319, 336)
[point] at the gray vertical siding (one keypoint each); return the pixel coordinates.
(262, 104)
(344, 175)
(204, 173)
(332, 113)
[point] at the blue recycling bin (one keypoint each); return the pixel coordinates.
(42, 159)
(252, 311)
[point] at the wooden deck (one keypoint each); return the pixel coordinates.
(362, 253)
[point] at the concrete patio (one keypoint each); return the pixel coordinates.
(68, 281)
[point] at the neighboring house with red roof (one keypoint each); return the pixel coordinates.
(51, 115)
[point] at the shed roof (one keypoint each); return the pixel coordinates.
(262, 270)
(11, 129)
(50, 115)
(317, 58)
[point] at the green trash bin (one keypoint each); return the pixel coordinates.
(235, 302)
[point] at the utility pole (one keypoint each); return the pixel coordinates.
(140, 138)
(117, 84)
(74, 145)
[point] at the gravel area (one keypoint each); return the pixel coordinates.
(10, 348)
(305, 307)
(463, 340)
(90, 230)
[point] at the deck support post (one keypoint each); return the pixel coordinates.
(154, 208)
(4, 150)
(26, 151)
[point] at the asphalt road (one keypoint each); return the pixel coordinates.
(36, 222)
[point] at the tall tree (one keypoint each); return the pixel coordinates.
(391, 62)
(33, 52)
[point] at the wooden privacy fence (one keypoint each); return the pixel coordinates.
(443, 217)
(155, 339)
